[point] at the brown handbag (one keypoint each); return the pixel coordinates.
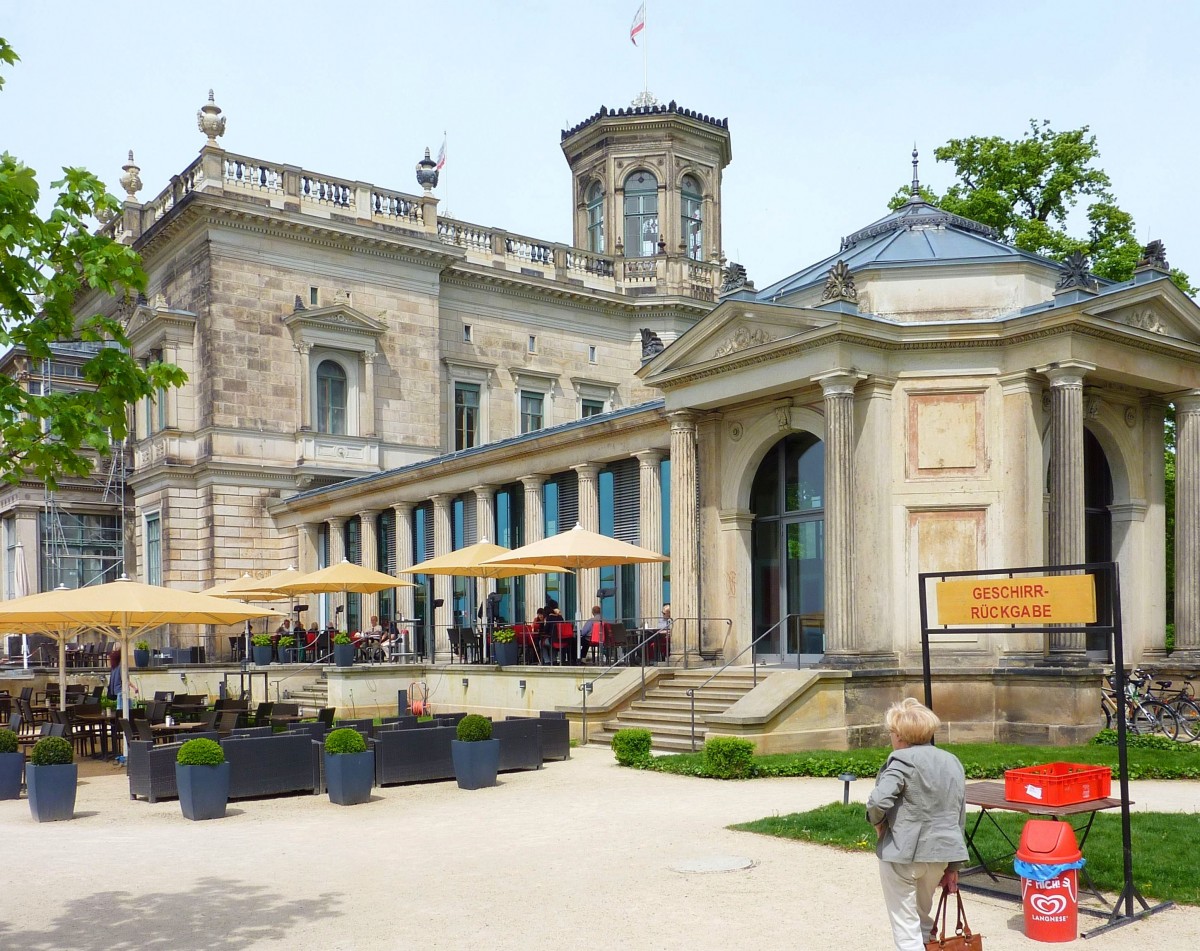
(963, 939)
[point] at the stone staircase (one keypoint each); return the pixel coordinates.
(312, 696)
(666, 711)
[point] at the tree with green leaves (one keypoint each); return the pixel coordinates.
(1026, 188)
(46, 265)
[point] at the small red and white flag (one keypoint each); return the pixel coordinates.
(639, 24)
(441, 159)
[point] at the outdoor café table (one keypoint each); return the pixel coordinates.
(169, 730)
(188, 710)
(105, 726)
(989, 796)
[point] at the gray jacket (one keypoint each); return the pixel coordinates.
(921, 792)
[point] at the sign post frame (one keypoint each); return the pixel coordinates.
(1107, 570)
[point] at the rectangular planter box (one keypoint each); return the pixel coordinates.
(203, 790)
(52, 791)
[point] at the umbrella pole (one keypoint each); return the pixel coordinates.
(62, 674)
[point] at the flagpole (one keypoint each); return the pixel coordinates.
(645, 51)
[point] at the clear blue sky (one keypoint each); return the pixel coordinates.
(824, 100)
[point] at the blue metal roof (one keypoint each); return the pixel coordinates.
(915, 235)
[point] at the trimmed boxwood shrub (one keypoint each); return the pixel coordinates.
(474, 728)
(51, 751)
(632, 747)
(345, 740)
(728, 757)
(8, 741)
(200, 752)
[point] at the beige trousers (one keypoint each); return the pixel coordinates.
(908, 894)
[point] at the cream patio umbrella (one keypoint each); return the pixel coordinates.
(345, 577)
(123, 609)
(472, 562)
(247, 588)
(59, 635)
(577, 549)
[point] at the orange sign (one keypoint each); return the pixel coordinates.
(1031, 600)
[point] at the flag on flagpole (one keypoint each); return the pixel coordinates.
(441, 159)
(639, 24)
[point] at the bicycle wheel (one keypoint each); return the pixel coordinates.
(1139, 718)
(1164, 719)
(1187, 712)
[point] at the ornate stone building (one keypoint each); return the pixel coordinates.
(369, 379)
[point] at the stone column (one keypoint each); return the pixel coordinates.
(308, 544)
(366, 402)
(535, 530)
(485, 530)
(337, 553)
(1066, 484)
(838, 391)
(650, 583)
(587, 579)
(369, 549)
(302, 385)
(685, 581)
(443, 617)
(405, 603)
(1187, 524)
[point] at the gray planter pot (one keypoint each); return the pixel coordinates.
(475, 764)
(262, 655)
(203, 790)
(343, 655)
(507, 654)
(141, 658)
(11, 765)
(51, 791)
(350, 777)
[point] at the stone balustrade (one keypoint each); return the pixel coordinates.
(295, 190)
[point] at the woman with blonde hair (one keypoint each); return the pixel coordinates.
(918, 808)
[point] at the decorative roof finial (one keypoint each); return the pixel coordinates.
(916, 182)
(1074, 275)
(839, 285)
(209, 119)
(427, 173)
(1154, 257)
(131, 181)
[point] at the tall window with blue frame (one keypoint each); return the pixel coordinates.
(641, 215)
(353, 541)
(422, 596)
(665, 477)
(385, 558)
(510, 532)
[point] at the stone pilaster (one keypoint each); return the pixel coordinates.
(838, 391)
(307, 542)
(366, 401)
(337, 553)
(405, 604)
(368, 544)
(587, 579)
(303, 371)
(1187, 524)
(535, 530)
(685, 578)
(1066, 484)
(650, 584)
(443, 617)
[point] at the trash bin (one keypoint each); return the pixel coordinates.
(1048, 861)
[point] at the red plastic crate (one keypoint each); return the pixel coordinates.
(1057, 784)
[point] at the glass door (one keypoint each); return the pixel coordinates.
(804, 593)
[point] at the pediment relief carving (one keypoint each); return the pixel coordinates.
(1146, 318)
(741, 339)
(338, 326)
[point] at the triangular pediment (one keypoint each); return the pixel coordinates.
(339, 326)
(1157, 307)
(734, 327)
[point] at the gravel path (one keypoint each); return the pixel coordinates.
(582, 854)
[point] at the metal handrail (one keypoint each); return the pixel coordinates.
(587, 685)
(691, 692)
(685, 623)
(320, 660)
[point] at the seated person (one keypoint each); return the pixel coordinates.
(591, 635)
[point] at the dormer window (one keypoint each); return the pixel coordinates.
(692, 218)
(595, 218)
(641, 215)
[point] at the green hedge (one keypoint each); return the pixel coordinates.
(727, 757)
(632, 748)
(345, 740)
(200, 752)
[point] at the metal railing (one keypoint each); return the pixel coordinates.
(685, 624)
(324, 659)
(587, 685)
(691, 692)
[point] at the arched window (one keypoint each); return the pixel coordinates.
(692, 218)
(641, 215)
(595, 217)
(331, 398)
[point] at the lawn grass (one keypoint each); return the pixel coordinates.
(1163, 844)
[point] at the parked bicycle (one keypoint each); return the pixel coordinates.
(1143, 714)
(1181, 701)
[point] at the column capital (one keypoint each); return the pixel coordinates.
(1187, 402)
(368, 513)
(533, 481)
(650, 458)
(840, 382)
(484, 488)
(403, 508)
(683, 420)
(1022, 381)
(442, 499)
(1066, 372)
(337, 521)
(735, 518)
(587, 470)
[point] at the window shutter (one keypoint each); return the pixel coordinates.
(568, 502)
(626, 500)
(470, 512)
(385, 534)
